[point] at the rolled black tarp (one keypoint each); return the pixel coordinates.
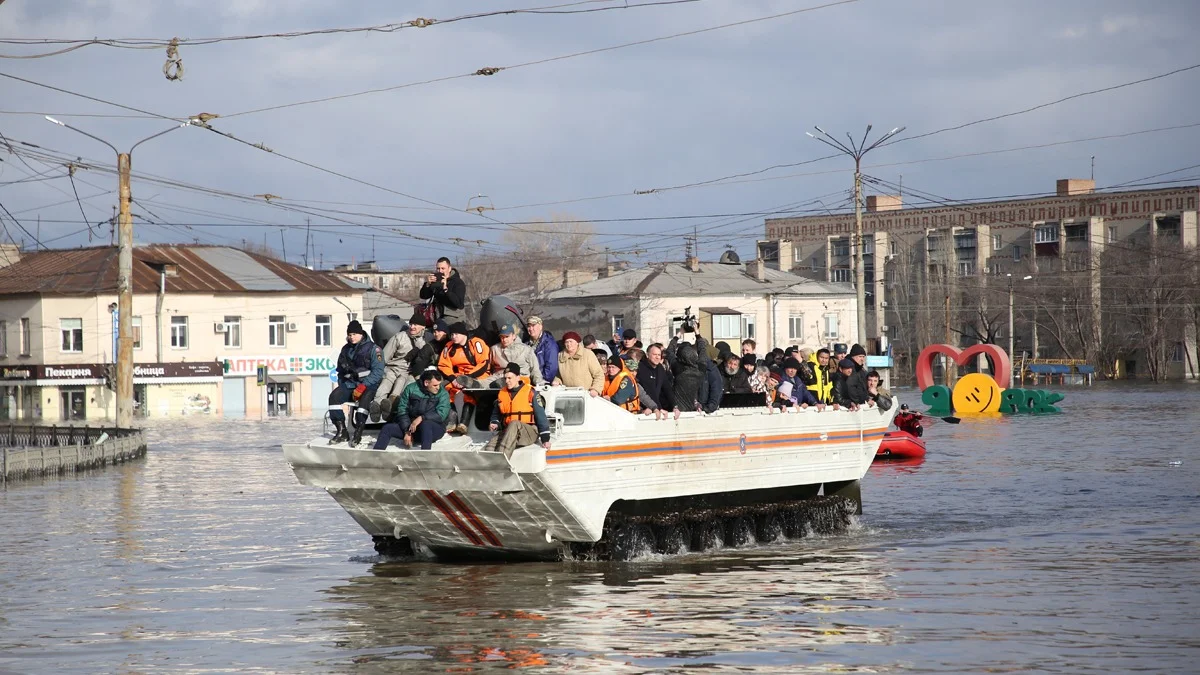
(384, 326)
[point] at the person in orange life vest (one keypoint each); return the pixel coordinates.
(517, 416)
(620, 388)
(464, 359)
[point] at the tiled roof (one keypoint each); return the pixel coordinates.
(675, 279)
(198, 269)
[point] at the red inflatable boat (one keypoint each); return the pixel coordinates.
(900, 445)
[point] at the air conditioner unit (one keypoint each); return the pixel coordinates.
(891, 256)
(293, 327)
(220, 327)
(884, 329)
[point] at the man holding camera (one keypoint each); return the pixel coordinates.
(445, 293)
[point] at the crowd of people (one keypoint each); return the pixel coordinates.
(419, 382)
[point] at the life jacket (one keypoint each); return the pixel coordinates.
(471, 359)
(516, 406)
(822, 389)
(634, 404)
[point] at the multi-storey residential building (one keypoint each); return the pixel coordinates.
(946, 270)
(205, 318)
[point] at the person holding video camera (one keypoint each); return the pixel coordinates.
(445, 294)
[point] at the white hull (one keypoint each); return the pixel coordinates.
(456, 498)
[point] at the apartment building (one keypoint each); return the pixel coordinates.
(959, 259)
(205, 319)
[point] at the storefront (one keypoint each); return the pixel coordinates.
(81, 392)
(296, 384)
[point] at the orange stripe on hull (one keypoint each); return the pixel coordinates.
(702, 446)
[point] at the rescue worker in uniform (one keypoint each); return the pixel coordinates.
(360, 369)
(518, 416)
(821, 386)
(464, 361)
(619, 387)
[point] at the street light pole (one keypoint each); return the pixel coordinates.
(1010, 311)
(857, 151)
(124, 356)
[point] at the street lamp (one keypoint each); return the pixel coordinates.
(857, 151)
(1027, 277)
(124, 356)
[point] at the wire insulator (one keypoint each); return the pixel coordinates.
(488, 71)
(173, 68)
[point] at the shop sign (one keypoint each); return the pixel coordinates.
(16, 373)
(247, 366)
(153, 370)
(141, 371)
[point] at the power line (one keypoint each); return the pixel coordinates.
(492, 70)
(158, 43)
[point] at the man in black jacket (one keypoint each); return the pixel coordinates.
(447, 292)
(654, 378)
(849, 387)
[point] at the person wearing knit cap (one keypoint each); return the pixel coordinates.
(579, 367)
(517, 416)
(398, 354)
(849, 387)
(465, 360)
(360, 369)
(859, 356)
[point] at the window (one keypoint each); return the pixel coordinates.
(796, 328)
(831, 327)
(72, 334)
(25, 342)
(1168, 226)
(995, 269)
(964, 240)
(815, 266)
(892, 248)
(1016, 253)
(179, 332)
(571, 408)
(1112, 234)
(747, 326)
(137, 331)
(233, 331)
(797, 254)
(276, 324)
(324, 330)
(868, 245)
(1176, 352)
(997, 242)
(3, 339)
(966, 268)
(840, 275)
(1076, 232)
(1046, 234)
(841, 248)
(726, 327)
(933, 243)
(618, 323)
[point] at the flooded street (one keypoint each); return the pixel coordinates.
(1066, 543)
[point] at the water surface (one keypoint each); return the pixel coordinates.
(1038, 544)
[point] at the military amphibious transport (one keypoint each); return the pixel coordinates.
(612, 482)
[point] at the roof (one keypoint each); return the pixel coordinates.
(198, 269)
(675, 279)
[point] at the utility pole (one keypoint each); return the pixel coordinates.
(951, 367)
(124, 374)
(857, 150)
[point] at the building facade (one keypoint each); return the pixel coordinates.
(945, 272)
(205, 319)
(731, 302)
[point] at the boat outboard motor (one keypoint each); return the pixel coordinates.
(385, 326)
(496, 311)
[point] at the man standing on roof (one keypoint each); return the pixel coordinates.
(544, 347)
(518, 416)
(445, 293)
(621, 344)
(359, 371)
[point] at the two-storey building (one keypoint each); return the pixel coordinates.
(204, 319)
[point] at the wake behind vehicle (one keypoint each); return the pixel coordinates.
(612, 484)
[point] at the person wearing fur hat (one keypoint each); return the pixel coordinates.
(518, 416)
(360, 369)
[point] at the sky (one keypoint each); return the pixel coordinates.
(577, 138)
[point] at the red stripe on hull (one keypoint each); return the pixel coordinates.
(436, 499)
(466, 511)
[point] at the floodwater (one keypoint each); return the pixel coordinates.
(1037, 544)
